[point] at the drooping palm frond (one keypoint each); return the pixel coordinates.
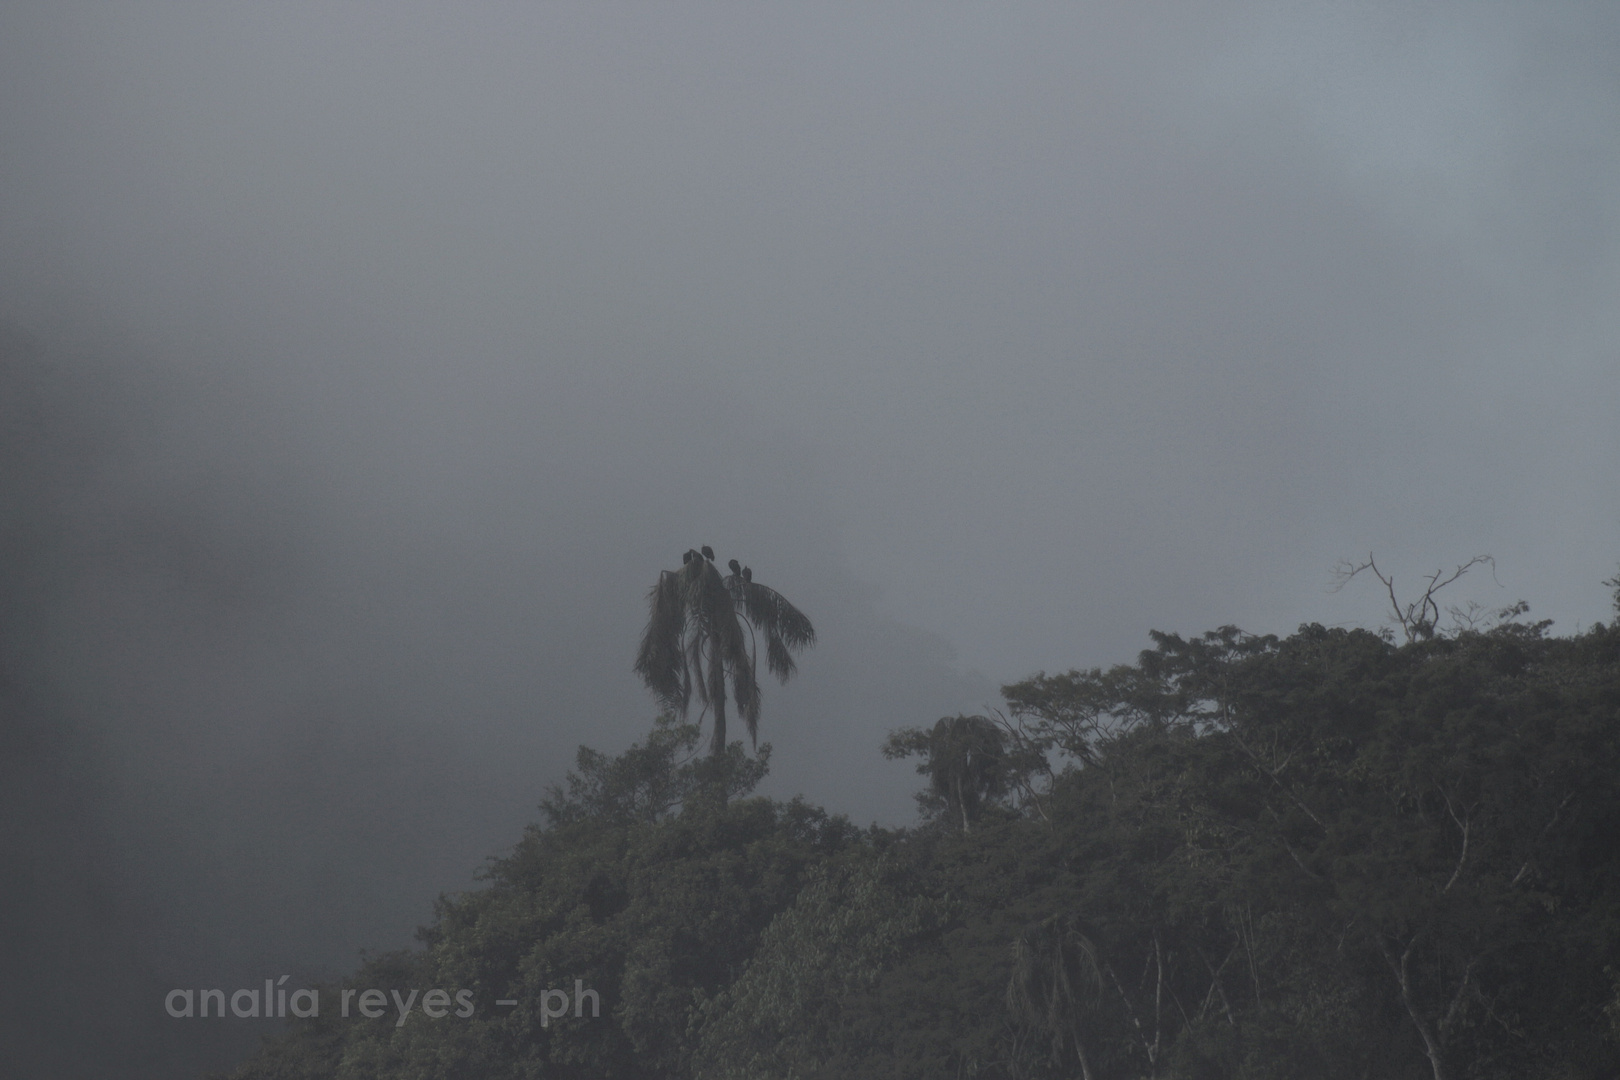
(745, 684)
(770, 611)
(717, 697)
(778, 659)
(748, 706)
(721, 643)
(696, 645)
(660, 661)
(784, 626)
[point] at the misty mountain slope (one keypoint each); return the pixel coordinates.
(281, 698)
(383, 355)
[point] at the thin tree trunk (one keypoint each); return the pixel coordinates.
(1136, 1022)
(1085, 1060)
(1158, 1002)
(1431, 1044)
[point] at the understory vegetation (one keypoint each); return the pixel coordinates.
(1320, 856)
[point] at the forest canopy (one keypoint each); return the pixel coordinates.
(1325, 855)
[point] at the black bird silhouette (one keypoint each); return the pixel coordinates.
(708, 552)
(748, 573)
(687, 557)
(736, 567)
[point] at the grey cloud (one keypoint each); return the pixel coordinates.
(386, 353)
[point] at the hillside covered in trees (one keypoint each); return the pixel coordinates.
(1327, 855)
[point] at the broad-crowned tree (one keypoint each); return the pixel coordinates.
(965, 759)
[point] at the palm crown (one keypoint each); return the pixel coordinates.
(703, 637)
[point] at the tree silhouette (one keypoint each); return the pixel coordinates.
(1056, 978)
(965, 759)
(702, 638)
(1420, 618)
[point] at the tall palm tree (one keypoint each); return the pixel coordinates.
(703, 637)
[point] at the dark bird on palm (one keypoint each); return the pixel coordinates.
(703, 638)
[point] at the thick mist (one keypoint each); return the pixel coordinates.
(362, 367)
(269, 705)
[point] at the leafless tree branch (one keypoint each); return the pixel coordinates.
(1418, 618)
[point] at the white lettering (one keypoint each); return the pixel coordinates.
(314, 999)
(546, 1015)
(403, 1006)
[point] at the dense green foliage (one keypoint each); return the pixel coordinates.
(1321, 856)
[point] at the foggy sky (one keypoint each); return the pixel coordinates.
(367, 363)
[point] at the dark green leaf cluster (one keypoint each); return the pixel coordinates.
(657, 912)
(972, 765)
(651, 780)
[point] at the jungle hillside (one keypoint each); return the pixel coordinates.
(1336, 854)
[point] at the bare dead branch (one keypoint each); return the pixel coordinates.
(1130, 1011)
(1248, 934)
(1544, 830)
(1417, 618)
(1215, 986)
(1457, 998)
(1275, 779)
(1158, 999)
(1463, 823)
(1019, 738)
(1402, 971)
